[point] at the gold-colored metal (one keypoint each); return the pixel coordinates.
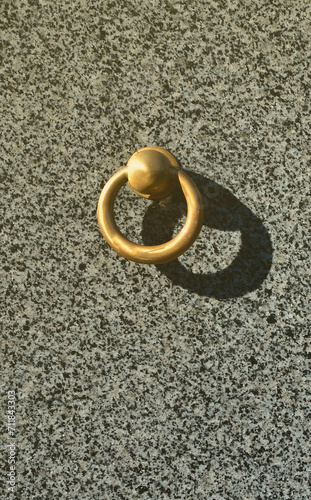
(152, 173)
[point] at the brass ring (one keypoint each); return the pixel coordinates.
(152, 173)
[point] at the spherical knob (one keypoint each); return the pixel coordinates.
(151, 174)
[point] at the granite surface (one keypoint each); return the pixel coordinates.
(189, 380)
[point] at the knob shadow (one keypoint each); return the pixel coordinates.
(223, 211)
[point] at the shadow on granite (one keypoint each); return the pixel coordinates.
(223, 211)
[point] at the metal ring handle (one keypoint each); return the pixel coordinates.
(149, 254)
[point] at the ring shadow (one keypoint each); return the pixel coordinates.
(222, 211)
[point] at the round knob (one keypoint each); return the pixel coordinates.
(152, 173)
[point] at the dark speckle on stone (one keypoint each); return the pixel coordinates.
(271, 319)
(253, 360)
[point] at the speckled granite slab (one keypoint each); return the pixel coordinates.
(189, 380)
